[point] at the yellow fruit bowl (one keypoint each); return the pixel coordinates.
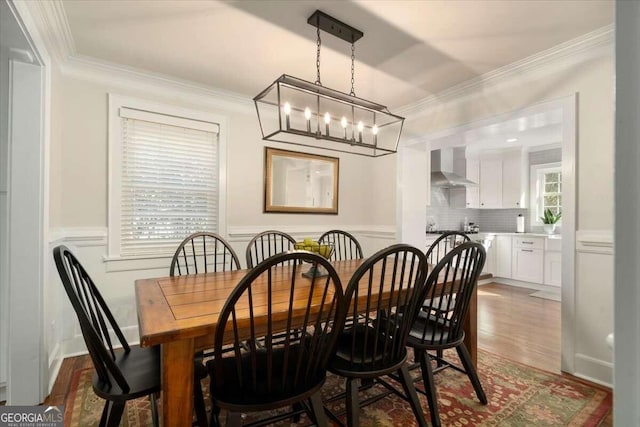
(324, 250)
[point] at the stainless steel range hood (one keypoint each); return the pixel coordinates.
(442, 175)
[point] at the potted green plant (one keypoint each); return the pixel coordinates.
(550, 220)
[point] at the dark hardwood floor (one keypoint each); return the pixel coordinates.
(519, 327)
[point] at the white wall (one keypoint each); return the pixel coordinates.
(79, 179)
(588, 72)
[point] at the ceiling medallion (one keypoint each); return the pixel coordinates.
(296, 111)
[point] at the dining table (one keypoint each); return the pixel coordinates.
(180, 315)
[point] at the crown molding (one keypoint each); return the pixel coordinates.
(576, 49)
(52, 25)
(121, 76)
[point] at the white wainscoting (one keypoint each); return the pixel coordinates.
(594, 306)
(116, 278)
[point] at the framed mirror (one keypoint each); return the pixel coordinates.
(300, 182)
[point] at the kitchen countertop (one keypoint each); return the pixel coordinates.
(506, 233)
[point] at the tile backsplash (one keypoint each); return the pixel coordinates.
(498, 220)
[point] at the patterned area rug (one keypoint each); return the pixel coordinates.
(518, 396)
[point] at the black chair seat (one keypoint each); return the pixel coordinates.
(364, 357)
(429, 330)
(141, 368)
(279, 386)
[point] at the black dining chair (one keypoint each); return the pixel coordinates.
(267, 244)
(455, 275)
(443, 244)
(282, 372)
(345, 246)
(374, 343)
(438, 250)
(203, 252)
(120, 375)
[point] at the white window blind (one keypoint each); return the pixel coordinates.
(169, 181)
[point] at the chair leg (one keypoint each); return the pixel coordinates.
(115, 414)
(465, 358)
(439, 355)
(430, 388)
(153, 399)
(105, 413)
(353, 406)
(410, 391)
(198, 403)
(317, 407)
(296, 407)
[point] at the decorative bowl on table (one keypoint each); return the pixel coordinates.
(325, 250)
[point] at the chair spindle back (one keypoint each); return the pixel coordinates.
(202, 253)
(345, 246)
(448, 289)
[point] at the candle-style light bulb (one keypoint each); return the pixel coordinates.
(287, 114)
(307, 115)
(374, 130)
(343, 122)
(360, 129)
(327, 120)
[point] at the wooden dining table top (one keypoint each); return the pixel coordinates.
(179, 307)
(171, 308)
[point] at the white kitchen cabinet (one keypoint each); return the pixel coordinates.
(503, 252)
(488, 241)
(553, 268)
(514, 182)
(553, 262)
(528, 259)
(490, 183)
(528, 264)
(473, 193)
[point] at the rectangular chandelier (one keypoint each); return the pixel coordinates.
(296, 111)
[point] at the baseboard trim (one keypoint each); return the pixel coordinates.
(55, 362)
(519, 284)
(77, 347)
(594, 370)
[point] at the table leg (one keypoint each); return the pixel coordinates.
(471, 328)
(177, 383)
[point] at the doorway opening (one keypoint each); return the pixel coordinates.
(522, 163)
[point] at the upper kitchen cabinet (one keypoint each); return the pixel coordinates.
(501, 177)
(491, 183)
(514, 179)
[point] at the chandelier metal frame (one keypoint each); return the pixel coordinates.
(339, 121)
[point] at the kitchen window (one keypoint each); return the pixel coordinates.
(546, 190)
(165, 177)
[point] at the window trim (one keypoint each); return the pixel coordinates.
(534, 198)
(115, 160)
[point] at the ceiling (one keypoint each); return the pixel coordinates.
(410, 49)
(541, 127)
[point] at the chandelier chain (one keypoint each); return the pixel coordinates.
(353, 59)
(319, 43)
